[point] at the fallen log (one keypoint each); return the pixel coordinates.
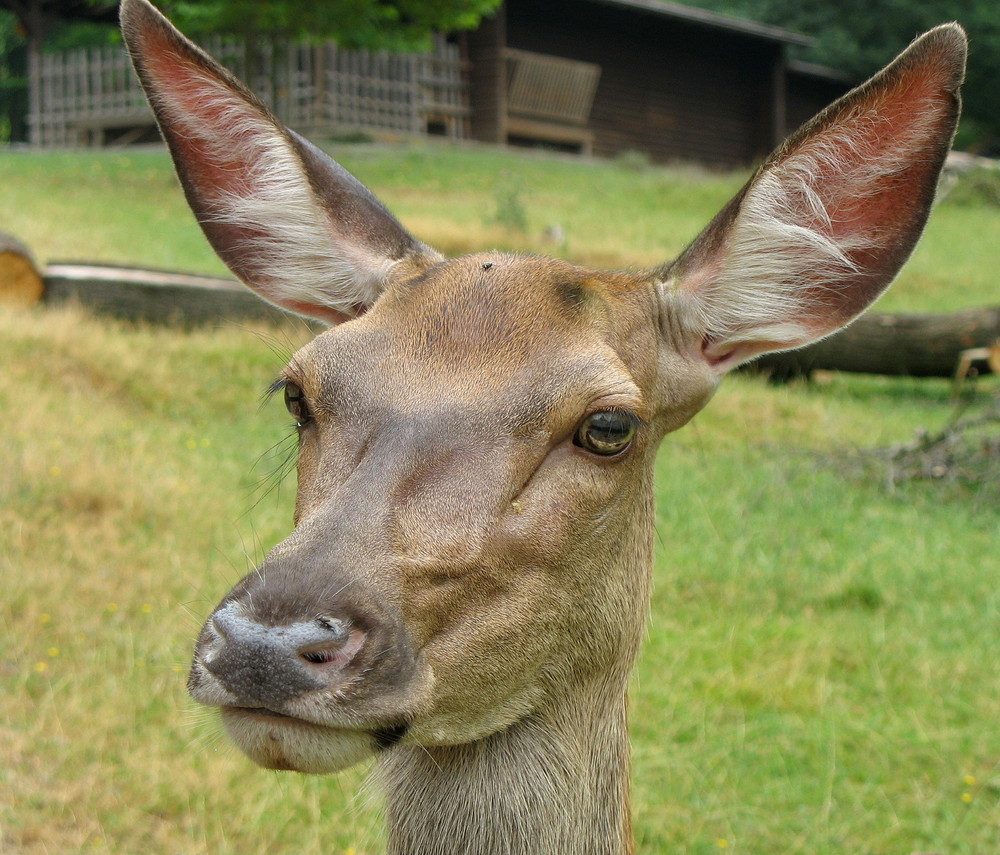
(895, 345)
(20, 282)
(155, 296)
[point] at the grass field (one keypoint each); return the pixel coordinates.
(822, 669)
(126, 208)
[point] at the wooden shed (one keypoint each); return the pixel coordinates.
(607, 76)
(810, 88)
(601, 77)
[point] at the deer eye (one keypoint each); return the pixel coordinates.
(295, 401)
(606, 432)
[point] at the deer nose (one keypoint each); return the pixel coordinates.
(270, 665)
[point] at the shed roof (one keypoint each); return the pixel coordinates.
(706, 18)
(821, 72)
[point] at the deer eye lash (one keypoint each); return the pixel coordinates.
(273, 389)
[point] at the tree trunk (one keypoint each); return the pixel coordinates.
(156, 297)
(20, 282)
(896, 345)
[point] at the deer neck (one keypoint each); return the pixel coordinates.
(555, 782)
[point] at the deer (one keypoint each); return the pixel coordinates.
(465, 587)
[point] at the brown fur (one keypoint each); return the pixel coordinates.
(466, 586)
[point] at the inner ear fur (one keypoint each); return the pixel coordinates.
(288, 221)
(824, 225)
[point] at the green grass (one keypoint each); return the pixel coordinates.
(821, 669)
(127, 208)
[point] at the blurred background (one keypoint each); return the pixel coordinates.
(821, 671)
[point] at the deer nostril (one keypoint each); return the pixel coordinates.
(268, 665)
(335, 634)
(338, 645)
(320, 657)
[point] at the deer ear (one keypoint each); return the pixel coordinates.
(825, 224)
(288, 221)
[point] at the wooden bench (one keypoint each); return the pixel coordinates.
(549, 99)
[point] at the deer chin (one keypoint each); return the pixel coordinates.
(277, 741)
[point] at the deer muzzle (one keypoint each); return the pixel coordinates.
(305, 678)
(268, 666)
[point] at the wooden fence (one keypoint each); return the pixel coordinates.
(91, 96)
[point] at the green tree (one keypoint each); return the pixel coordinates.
(858, 36)
(25, 25)
(355, 23)
(29, 26)
(36, 19)
(393, 24)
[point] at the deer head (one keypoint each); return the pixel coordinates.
(466, 584)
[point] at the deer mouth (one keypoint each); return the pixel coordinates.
(264, 712)
(276, 740)
(384, 737)
(266, 715)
